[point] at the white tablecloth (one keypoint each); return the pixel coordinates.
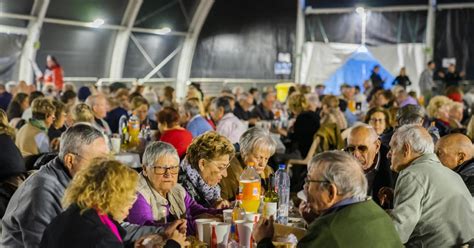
(130, 159)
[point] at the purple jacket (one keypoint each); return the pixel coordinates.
(141, 213)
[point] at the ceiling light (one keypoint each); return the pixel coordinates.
(165, 30)
(360, 10)
(97, 23)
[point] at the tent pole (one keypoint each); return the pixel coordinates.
(430, 29)
(300, 37)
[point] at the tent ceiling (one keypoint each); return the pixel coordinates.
(16, 6)
(374, 3)
(88, 10)
(175, 14)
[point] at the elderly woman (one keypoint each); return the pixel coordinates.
(82, 112)
(32, 138)
(331, 113)
(206, 164)
(256, 145)
(438, 110)
(160, 198)
(379, 119)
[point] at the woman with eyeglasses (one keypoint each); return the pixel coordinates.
(257, 146)
(379, 119)
(206, 163)
(160, 198)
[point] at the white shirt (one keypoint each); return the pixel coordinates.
(231, 127)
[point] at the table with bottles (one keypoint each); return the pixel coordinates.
(249, 207)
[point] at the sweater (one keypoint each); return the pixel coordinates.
(29, 139)
(179, 138)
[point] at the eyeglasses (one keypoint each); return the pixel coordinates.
(161, 170)
(374, 120)
(220, 167)
(352, 149)
(308, 180)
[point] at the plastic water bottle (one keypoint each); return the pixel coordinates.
(282, 182)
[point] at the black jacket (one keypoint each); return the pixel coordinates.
(466, 171)
(402, 81)
(381, 176)
(241, 113)
(261, 113)
(306, 125)
(73, 229)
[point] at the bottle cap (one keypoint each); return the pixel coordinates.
(238, 197)
(282, 166)
(251, 163)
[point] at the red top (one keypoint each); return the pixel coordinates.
(179, 138)
(54, 76)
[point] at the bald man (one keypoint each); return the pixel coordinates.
(456, 152)
(363, 143)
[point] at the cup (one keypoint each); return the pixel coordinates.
(203, 230)
(116, 142)
(227, 214)
(245, 228)
(222, 231)
(252, 217)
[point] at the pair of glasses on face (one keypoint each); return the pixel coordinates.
(161, 170)
(221, 167)
(375, 120)
(352, 149)
(309, 180)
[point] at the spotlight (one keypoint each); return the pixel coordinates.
(360, 10)
(97, 23)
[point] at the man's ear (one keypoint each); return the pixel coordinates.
(377, 145)
(461, 156)
(69, 161)
(406, 150)
(332, 189)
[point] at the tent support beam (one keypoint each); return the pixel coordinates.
(300, 38)
(29, 50)
(430, 29)
(123, 37)
(189, 47)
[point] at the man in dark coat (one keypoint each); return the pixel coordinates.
(456, 152)
(363, 143)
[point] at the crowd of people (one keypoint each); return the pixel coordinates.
(385, 167)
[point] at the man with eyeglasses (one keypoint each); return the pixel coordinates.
(336, 190)
(363, 143)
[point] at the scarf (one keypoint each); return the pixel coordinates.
(39, 124)
(174, 199)
(210, 193)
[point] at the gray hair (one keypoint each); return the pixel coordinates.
(256, 137)
(77, 136)
(150, 97)
(157, 150)
(342, 170)
(192, 107)
(416, 136)
(243, 96)
(92, 99)
(10, 86)
(410, 114)
(312, 98)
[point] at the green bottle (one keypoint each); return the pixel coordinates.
(270, 200)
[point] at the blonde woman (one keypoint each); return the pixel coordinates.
(97, 200)
(438, 111)
(82, 113)
(331, 113)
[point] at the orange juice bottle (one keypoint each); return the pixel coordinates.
(250, 188)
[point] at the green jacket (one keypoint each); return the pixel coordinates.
(362, 224)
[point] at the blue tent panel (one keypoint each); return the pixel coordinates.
(355, 71)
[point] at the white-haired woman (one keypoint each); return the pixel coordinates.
(160, 198)
(256, 145)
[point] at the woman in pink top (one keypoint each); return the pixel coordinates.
(97, 200)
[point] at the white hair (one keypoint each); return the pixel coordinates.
(254, 138)
(343, 170)
(243, 96)
(156, 150)
(417, 137)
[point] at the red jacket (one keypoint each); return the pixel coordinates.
(54, 76)
(179, 138)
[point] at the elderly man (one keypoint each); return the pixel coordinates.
(243, 106)
(364, 144)
(432, 206)
(456, 152)
(196, 124)
(336, 189)
(263, 111)
(38, 200)
(227, 124)
(99, 105)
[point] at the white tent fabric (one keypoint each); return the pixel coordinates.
(321, 60)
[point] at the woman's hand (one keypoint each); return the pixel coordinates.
(221, 204)
(177, 225)
(55, 144)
